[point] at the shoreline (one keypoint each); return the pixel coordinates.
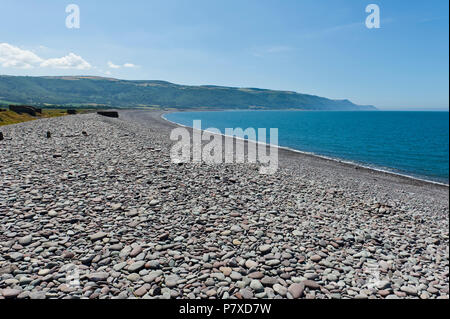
(335, 159)
(308, 166)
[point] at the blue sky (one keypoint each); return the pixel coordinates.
(319, 47)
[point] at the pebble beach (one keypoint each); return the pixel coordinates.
(99, 211)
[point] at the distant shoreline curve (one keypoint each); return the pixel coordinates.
(338, 160)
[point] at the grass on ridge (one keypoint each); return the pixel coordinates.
(9, 117)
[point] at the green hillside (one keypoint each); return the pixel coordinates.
(107, 92)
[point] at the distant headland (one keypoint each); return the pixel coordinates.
(92, 91)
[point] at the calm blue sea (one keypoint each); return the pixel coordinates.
(411, 143)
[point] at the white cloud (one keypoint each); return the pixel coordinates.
(14, 57)
(71, 61)
(129, 65)
(11, 56)
(113, 66)
(126, 65)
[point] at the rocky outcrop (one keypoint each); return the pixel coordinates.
(25, 109)
(108, 113)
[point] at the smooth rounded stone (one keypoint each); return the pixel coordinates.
(241, 284)
(265, 249)
(68, 254)
(236, 242)
(361, 296)
(246, 293)
(178, 238)
(133, 277)
(24, 280)
(332, 277)
(211, 293)
(16, 256)
(384, 265)
(37, 295)
(235, 275)
(23, 295)
(132, 213)
(384, 293)
(218, 275)
(119, 266)
(116, 247)
(136, 266)
(52, 213)
(311, 276)
(10, 293)
(322, 243)
(409, 290)
(392, 297)
(125, 251)
(226, 270)
(121, 295)
(171, 281)
(236, 229)
(152, 276)
(272, 262)
(251, 264)
(296, 290)
(153, 202)
(66, 288)
(315, 258)
(311, 284)
(26, 240)
(135, 251)
(11, 281)
(98, 276)
(140, 291)
(97, 236)
(256, 285)
(424, 295)
(261, 295)
(279, 289)
(153, 264)
(116, 206)
(297, 233)
(269, 281)
(256, 275)
(210, 282)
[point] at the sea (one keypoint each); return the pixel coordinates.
(412, 143)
